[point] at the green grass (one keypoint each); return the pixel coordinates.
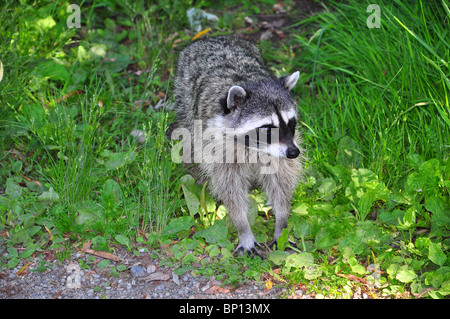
(374, 204)
(385, 88)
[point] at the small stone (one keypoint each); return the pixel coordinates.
(266, 35)
(175, 278)
(204, 288)
(138, 271)
(248, 20)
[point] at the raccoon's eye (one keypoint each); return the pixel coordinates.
(266, 129)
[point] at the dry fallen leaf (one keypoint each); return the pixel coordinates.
(23, 270)
(49, 232)
(103, 254)
(156, 276)
(201, 33)
(353, 278)
(86, 249)
(86, 246)
(31, 181)
(211, 290)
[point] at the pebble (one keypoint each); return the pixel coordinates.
(138, 271)
(175, 278)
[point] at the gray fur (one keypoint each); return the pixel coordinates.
(223, 82)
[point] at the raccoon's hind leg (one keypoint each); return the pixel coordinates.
(230, 185)
(279, 188)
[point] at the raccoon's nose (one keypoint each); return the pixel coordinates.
(292, 152)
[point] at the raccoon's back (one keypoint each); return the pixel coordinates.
(206, 70)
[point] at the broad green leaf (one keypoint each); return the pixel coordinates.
(445, 288)
(189, 259)
(221, 212)
(415, 160)
(406, 275)
(121, 239)
(393, 270)
(355, 266)
(192, 201)
(311, 273)
(409, 220)
(98, 50)
(440, 208)
(391, 218)
(82, 54)
(191, 193)
(367, 199)
(422, 243)
(111, 194)
(364, 178)
(45, 24)
(283, 240)
(13, 189)
(20, 236)
(187, 180)
(51, 69)
(180, 224)
(50, 196)
(215, 234)
(410, 217)
(99, 243)
(121, 267)
(436, 255)
(105, 263)
(354, 241)
(28, 252)
(17, 167)
(300, 209)
(301, 230)
(324, 240)
(414, 183)
(13, 262)
(87, 212)
(299, 260)
(425, 178)
(117, 160)
(278, 257)
(327, 188)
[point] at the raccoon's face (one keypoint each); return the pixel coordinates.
(265, 113)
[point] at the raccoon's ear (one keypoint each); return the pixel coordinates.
(289, 81)
(236, 97)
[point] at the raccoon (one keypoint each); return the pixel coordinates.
(222, 85)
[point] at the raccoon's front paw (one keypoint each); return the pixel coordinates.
(252, 250)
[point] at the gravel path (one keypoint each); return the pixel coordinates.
(139, 278)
